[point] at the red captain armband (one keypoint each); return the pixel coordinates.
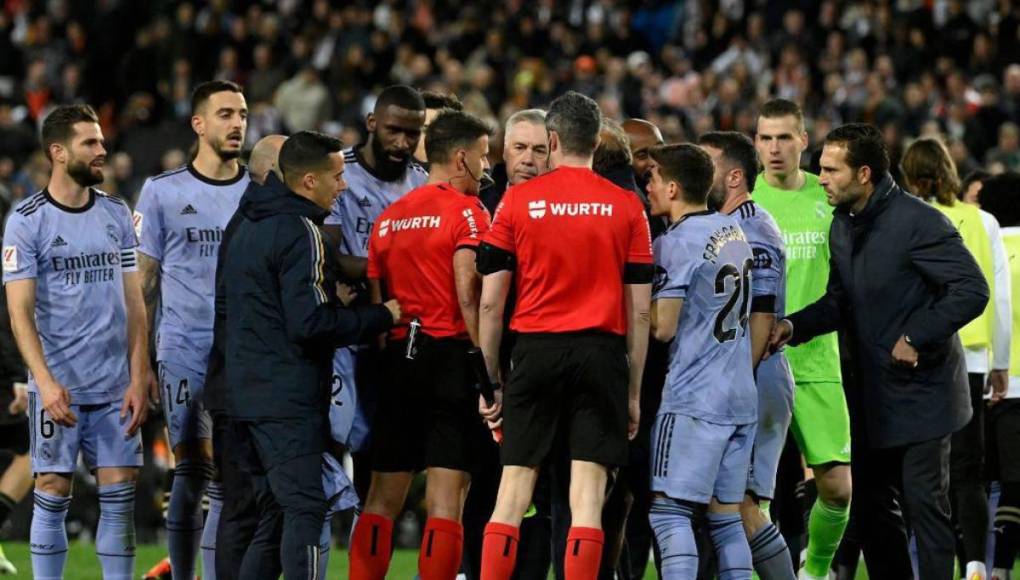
(490, 259)
(638, 273)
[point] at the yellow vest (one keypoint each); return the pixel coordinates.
(1011, 239)
(967, 219)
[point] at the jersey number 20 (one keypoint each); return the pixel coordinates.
(741, 291)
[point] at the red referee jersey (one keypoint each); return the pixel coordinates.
(411, 252)
(572, 233)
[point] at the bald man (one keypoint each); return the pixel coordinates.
(264, 157)
(643, 136)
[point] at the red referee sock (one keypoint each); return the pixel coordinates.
(370, 547)
(584, 552)
(441, 549)
(499, 551)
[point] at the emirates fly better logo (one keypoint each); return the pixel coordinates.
(536, 209)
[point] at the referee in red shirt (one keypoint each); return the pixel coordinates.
(422, 250)
(583, 259)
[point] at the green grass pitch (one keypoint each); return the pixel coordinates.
(83, 565)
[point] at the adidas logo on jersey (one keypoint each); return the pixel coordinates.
(58, 242)
(363, 201)
(189, 210)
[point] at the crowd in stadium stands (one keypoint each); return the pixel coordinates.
(911, 67)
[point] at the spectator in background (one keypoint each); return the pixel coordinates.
(970, 189)
(265, 78)
(17, 140)
(303, 101)
(1007, 152)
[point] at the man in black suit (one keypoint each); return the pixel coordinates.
(901, 283)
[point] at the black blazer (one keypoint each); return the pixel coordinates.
(899, 267)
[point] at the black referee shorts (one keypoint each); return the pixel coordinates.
(428, 410)
(574, 383)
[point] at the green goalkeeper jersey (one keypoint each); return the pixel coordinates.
(804, 217)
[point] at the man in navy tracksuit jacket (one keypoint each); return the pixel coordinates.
(283, 320)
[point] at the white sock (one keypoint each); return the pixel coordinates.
(977, 568)
(1000, 574)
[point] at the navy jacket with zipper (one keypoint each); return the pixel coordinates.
(899, 267)
(281, 318)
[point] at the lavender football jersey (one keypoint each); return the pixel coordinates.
(366, 196)
(704, 259)
(180, 219)
(77, 257)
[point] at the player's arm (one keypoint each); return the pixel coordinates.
(138, 346)
(761, 328)
(1002, 332)
(468, 289)
(149, 280)
(375, 296)
(55, 398)
(639, 298)
(495, 288)
(665, 318)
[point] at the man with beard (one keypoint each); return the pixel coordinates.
(900, 284)
(179, 220)
(78, 318)
(378, 172)
(736, 167)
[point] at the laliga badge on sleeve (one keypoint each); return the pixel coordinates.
(10, 258)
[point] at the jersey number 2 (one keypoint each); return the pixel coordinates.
(741, 291)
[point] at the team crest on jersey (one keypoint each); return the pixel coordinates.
(384, 228)
(536, 209)
(111, 232)
(137, 220)
(10, 258)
